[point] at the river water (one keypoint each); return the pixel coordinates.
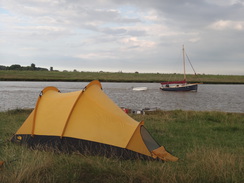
(227, 98)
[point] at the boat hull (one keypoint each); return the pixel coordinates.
(190, 87)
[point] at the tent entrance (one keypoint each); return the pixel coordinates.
(148, 140)
(156, 150)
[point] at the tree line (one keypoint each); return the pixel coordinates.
(18, 67)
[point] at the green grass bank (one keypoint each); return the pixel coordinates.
(11, 75)
(209, 145)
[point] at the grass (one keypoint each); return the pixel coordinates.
(209, 145)
(10, 75)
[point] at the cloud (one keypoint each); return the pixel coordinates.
(97, 55)
(134, 42)
(227, 24)
(77, 33)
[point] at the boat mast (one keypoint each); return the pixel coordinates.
(184, 62)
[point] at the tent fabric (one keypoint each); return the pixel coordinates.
(163, 154)
(86, 119)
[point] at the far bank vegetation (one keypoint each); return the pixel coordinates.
(17, 72)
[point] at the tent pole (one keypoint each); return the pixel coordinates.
(71, 111)
(34, 118)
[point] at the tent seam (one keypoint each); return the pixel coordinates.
(72, 109)
(34, 117)
(71, 112)
(140, 124)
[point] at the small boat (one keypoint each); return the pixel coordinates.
(180, 85)
(139, 88)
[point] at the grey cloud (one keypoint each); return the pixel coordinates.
(63, 29)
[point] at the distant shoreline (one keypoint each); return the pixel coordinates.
(13, 75)
(112, 81)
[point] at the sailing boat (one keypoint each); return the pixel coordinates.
(179, 85)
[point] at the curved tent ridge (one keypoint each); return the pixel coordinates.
(49, 88)
(95, 82)
(37, 104)
(71, 112)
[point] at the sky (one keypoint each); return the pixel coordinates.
(144, 36)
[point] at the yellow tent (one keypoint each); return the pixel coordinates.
(87, 121)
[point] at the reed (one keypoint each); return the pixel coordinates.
(209, 145)
(10, 75)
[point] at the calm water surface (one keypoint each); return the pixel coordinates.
(228, 98)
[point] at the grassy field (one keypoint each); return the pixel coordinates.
(209, 144)
(8, 75)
